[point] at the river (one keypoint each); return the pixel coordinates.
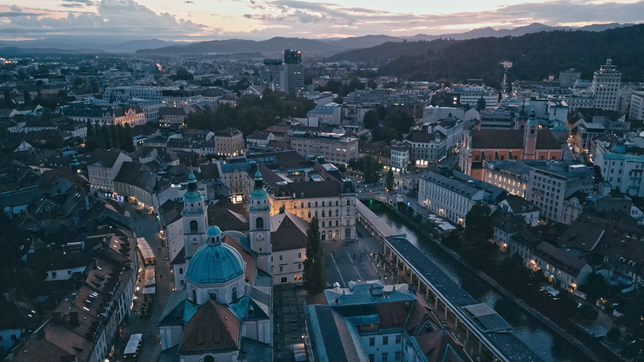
(532, 332)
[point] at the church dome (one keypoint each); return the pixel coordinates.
(215, 262)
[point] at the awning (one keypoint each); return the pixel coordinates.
(150, 290)
(133, 344)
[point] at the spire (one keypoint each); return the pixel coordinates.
(259, 181)
(192, 182)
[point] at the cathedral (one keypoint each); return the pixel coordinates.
(221, 309)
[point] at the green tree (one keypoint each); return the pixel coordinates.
(370, 119)
(127, 138)
(480, 104)
(182, 74)
(314, 270)
(389, 183)
(27, 96)
(477, 248)
(8, 102)
(596, 287)
(370, 169)
(614, 335)
(587, 313)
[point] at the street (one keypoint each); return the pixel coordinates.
(147, 226)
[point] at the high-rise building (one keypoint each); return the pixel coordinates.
(270, 73)
(567, 78)
(605, 88)
(292, 71)
(637, 106)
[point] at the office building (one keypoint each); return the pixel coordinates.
(605, 88)
(292, 71)
(567, 78)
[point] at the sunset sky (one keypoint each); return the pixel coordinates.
(193, 20)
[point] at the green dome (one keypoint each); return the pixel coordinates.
(213, 231)
(215, 264)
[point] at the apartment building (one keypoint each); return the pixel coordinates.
(553, 182)
(334, 147)
(327, 114)
(637, 106)
(103, 167)
(624, 172)
(511, 175)
(400, 156)
(229, 142)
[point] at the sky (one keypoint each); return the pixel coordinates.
(198, 20)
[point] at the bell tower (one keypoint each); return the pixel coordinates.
(194, 218)
(260, 224)
(530, 138)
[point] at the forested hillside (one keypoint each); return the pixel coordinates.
(534, 56)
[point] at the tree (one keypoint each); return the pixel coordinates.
(370, 169)
(595, 286)
(614, 334)
(314, 270)
(127, 136)
(587, 313)
(389, 183)
(370, 119)
(182, 74)
(27, 96)
(8, 102)
(477, 248)
(480, 104)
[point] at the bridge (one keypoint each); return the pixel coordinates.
(481, 330)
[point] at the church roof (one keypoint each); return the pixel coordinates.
(511, 139)
(288, 232)
(215, 263)
(213, 327)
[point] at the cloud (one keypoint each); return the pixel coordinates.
(125, 18)
(188, 2)
(318, 16)
(16, 12)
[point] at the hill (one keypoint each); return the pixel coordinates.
(534, 56)
(15, 51)
(272, 45)
(383, 53)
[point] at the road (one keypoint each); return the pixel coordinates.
(147, 226)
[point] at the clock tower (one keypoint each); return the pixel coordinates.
(260, 224)
(194, 218)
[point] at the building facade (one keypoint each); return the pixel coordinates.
(229, 142)
(605, 88)
(333, 147)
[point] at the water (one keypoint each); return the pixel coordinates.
(533, 333)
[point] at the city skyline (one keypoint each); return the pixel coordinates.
(198, 20)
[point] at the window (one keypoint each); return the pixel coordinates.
(309, 214)
(372, 358)
(281, 269)
(53, 275)
(234, 292)
(337, 212)
(281, 257)
(309, 204)
(372, 341)
(398, 355)
(348, 202)
(384, 357)
(323, 224)
(299, 255)
(398, 339)
(299, 266)
(194, 227)
(180, 270)
(337, 223)
(302, 205)
(284, 280)
(385, 340)
(259, 223)
(194, 296)
(316, 204)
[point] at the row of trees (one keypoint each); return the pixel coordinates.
(387, 124)
(107, 137)
(251, 113)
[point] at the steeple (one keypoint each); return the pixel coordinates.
(259, 221)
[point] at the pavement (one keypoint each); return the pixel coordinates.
(147, 226)
(347, 261)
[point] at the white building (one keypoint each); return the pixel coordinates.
(605, 88)
(451, 194)
(330, 113)
(622, 171)
(334, 147)
(400, 156)
(637, 106)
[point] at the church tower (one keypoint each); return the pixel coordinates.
(530, 138)
(260, 224)
(194, 218)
